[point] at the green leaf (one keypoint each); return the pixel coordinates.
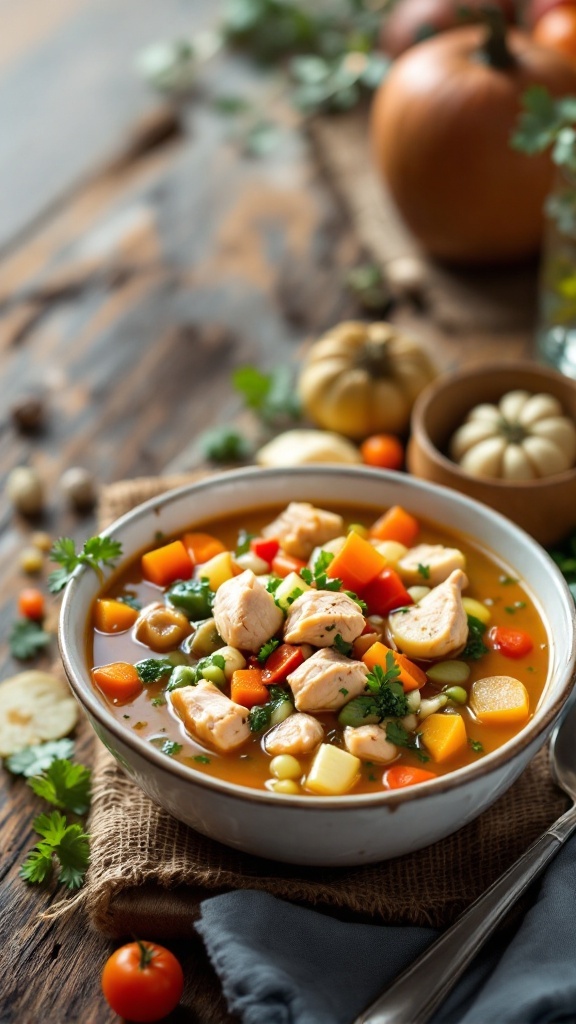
(243, 542)
(389, 697)
(342, 646)
(397, 734)
(224, 444)
(68, 844)
(36, 759)
(272, 396)
(27, 638)
(267, 649)
(96, 552)
(538, 122)
(259, 716)
(38, 866)
(65, 785)
(150, 670)
(168, 747)
(475, 647)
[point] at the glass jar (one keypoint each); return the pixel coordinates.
(556, 334)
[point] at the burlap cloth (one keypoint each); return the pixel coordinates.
(148, 872)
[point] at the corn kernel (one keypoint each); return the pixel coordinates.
(285, 786)
(285, 766)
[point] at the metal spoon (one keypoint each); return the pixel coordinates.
(420, 989)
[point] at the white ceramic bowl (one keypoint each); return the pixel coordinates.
(354, 829)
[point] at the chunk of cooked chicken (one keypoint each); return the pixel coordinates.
(369, 743)
(245, 614)
(327, 681)
(297, 734)
(211, 716)
(437, 626)
(430, 564)
(161, 628)
(301, 527)
(317, 616)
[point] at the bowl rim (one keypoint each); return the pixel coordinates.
(434, 391)
(492, 761)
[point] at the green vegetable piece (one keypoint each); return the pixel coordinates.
(182, 675)
(448, 672)
(475, 646)
(150, 670)
(260, 716)
(457, 694)
(360, 711)
(193, 597)
(215, 675)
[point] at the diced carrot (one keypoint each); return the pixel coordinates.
(512, 643)
(499, 700)
(411, 677)
(202, 546)
(356, 563)
(247, 688)
(283, 564)
(363, 643)
(119, 681)
(400, 775)
(31, 604)
(112, 616)
(443, 735)
(166, 564)
(396, 524)
(281, 662)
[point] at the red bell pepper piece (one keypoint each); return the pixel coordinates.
(281, 663)
(385, 593)
(513, 643)
(265, 547)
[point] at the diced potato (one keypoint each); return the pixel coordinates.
(477, 609)
(291, 587)
(334, 771)
(251, 561)
(444, 736)
(392, 550)
(233, 658)
(218, 569)
(499, 700)
(417, 592)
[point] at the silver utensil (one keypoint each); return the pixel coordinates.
(420, 989)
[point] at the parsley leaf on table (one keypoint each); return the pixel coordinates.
(27, 638)
(36, 759)
(224, 444)
(96, 552)
(66, 844)
(65, 785)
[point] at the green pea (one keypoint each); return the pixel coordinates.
(448, 672)
(359, 711)
(215, 675)
(457, 694)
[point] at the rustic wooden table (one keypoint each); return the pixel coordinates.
(144, 254)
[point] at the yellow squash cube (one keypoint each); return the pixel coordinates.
(334, 771)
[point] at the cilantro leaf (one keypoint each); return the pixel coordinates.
(475, 646)
(476, 746)
(33, 760)
(96, 553)
(65, 785)
(27, 638)
(150, 670)
(354, 597)
(342, 646)
(66, 844)
(267, 649)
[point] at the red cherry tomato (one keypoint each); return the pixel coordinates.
(513, 643)
(31, 604)
(382, 450)
(142, 981)
(556, 30)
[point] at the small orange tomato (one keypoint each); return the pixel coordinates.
(142, 981)
(556, 30)
(383, 450)
(31, 604)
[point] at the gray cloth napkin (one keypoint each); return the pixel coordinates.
(283, 964)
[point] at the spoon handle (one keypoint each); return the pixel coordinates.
(421, 988)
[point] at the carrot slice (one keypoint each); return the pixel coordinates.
(411, 677)
(283, 564)
(247, 688)
(400, 775)
(396, 524)
(166, 564)
(202, 546)
(119, 681)
(112, 616)
(357, 563)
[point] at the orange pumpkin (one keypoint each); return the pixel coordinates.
(556, 29)
(411, 21)
(441, 127)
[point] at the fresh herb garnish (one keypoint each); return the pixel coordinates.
(342, 646)
(259, 716)
(150, 670)
(424, 571)
(506, 581)
(202, 759)
(158, 701)
(354, 597)
(344, 691)
(243, 542)
(266, 650)
(386, 692)
(65, 785)
(317, 575)
(513, 608)
(96, 553)
(27, 638)
(224, 444)
(476, 746)
(397, 734)
(60, 843)
(36, 759)
(168, 747)
(273, 584)
(475, 647)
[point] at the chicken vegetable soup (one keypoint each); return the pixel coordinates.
(319, 651)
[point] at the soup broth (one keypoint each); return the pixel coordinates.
(505, 639)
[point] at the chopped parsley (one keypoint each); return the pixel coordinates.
(397, 734)
(168, 747)
(424, 571)
(342, 646)
(344, 691)
(267, 649)
(27, 638)
(354, 597)
(476, 746)
(96, 553)
(243, 542)
(202, 759)
(62, 844)
(150, 670)
(386, 692)
(260, 715)
(317, 575)
(475, 646)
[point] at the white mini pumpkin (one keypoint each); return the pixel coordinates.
(524, 437)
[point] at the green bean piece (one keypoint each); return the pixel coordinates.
(448, 672)
(359, 711)
(457, 694)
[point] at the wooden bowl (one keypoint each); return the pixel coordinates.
(545, 508)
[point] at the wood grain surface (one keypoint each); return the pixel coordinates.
(144, 255)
